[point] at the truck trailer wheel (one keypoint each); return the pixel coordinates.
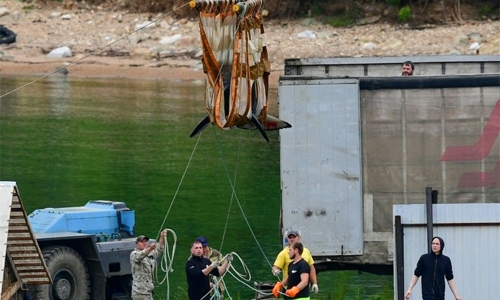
(69, 274)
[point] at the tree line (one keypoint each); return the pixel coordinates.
(402, 10)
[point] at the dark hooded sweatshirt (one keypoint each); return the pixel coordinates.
(433, 269)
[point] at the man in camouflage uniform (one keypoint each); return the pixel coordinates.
(143, 262)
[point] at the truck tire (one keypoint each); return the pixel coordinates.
(69, 274)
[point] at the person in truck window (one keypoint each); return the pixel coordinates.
(283, 260)
(143, 262)
(434, 267)
(408, 68)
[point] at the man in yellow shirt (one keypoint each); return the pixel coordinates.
(283, 260)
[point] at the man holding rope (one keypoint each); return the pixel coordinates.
(198, 269)
(143, 263)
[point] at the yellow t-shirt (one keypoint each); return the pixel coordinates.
(283, 260)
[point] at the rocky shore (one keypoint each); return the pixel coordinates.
(115, 43)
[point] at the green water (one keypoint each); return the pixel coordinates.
(68, 141)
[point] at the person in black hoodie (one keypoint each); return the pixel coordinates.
(434, 267)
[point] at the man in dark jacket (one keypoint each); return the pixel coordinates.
(198, 268)
(434, 267)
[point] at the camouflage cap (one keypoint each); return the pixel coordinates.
(141, 238)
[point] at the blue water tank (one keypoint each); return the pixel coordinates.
(96, 217)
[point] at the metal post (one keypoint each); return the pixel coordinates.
(428, 193)
(434, 197)
(400, 267)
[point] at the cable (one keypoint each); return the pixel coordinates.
(180, 183)
(90, 53)
(232, 194)
(224, 164)
(167, 260)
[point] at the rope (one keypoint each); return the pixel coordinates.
(90, 53)
(180, 183)
(241, 277)
(224, 164)
(232, 194)
(233, 191)
(216, 293)
(245, 276)
(167, 259)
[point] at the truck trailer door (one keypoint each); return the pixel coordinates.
(321, 163)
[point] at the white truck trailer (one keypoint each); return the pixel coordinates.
(364, 138)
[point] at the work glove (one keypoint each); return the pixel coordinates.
(215, 264)
(229, 257)
(277, 288)
(292, 292)
(276, 272)
(315, 288)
